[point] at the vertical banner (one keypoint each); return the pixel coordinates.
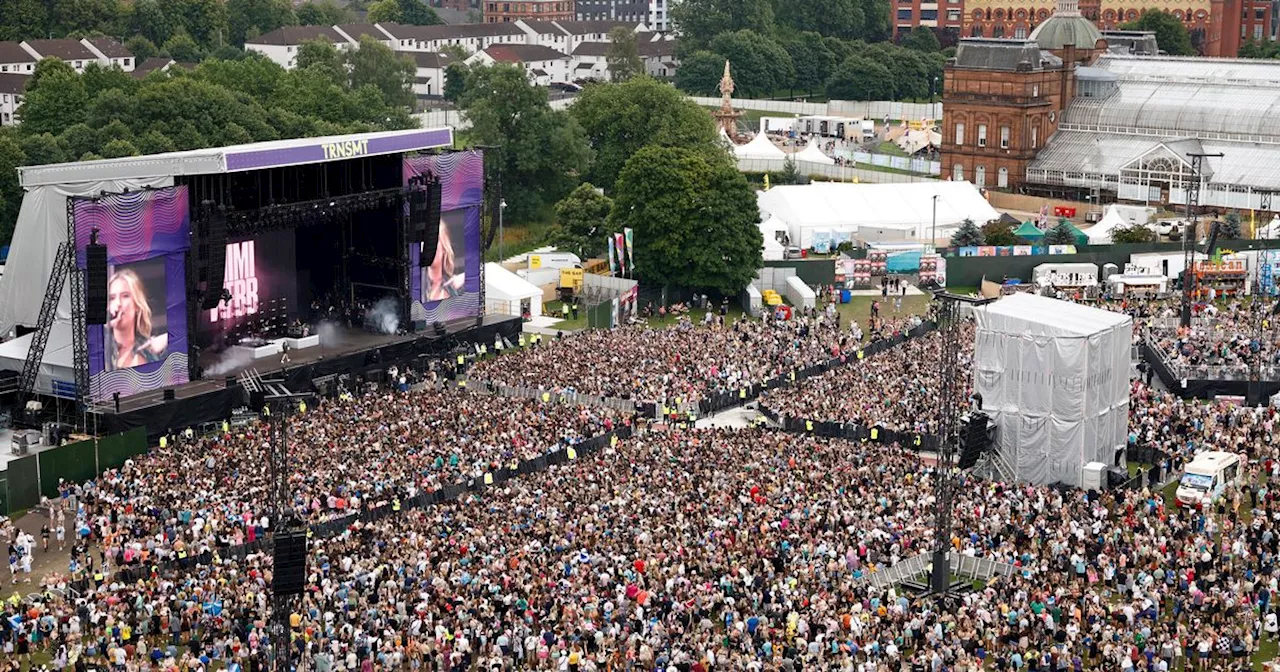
(631, 260)
(620, 246)
(613, 267)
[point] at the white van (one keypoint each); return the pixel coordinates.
(1207, 476)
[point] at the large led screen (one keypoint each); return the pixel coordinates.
(449, 288)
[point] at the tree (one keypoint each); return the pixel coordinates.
(540, 152)
(860, 78)
(997, 232)
(839, 18)
(409, 12)
(700, 21)
(320, 56)
(183, 48)
(98, 79)
(760, 65)
(204, 20)
(455, 81)
(581, 219)
(695, 219)
(1062, 234)
(967, 235)
(1132, 233)
(623, 57)
(84, 16)
(42, 149)
(151, 22)
(876, 27)
(813, 61)
(79, 139)
(922, 39)
(699, 74)
(1171, 33)
(55, 98)
(141, 48)
(110, 106)
(11, 157)
(118, 148)
(619, 119)
(22, 19)
(1229, 229)
(375, 64)
(323, 13)
(790, 174)
(261, 15)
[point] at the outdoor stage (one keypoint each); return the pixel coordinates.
(346, 351)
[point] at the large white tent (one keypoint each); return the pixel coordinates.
(1053, 376)
(893, 212)
(505, 292)
(812, 154)
(56, 369)
(760, 147)
(1100, 233)
(1271, 230)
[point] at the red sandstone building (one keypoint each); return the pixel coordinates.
(509, 11)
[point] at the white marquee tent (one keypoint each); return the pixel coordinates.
(1053, 376)
(812, 154)
(1100, 233)
(760, 147)
(895, 212)
(774, 250)
(505, 292)
(1271, 230)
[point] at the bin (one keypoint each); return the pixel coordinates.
(845, 296)
(786, 312)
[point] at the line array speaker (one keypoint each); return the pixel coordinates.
(289, 571)
(95, 284)
(424, 217)
(973, 440)
(213, 255)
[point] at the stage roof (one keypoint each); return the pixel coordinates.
(255, 156)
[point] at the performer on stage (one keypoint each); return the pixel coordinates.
(128, 337)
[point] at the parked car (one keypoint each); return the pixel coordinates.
(567, 87)
(1169, 228)
(793, 253)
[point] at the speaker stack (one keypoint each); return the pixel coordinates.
(973, 439)
(424, 216)
(211, 253)
(95, 282)
(289, 571)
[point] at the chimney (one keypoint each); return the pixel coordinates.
(1064, 77)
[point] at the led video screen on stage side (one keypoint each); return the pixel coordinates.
(261, 276)
(143, 345)
(449, 289)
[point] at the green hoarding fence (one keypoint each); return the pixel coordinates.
(114, 450)
(72, 462)
(24, 483)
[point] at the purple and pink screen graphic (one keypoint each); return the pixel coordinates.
(449, 289)
(143, 346)
(260, 274)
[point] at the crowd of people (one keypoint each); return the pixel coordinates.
(362, 451)
(895, 389)
(683, 361)
(718, 549)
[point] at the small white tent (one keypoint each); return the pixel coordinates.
(1271, 230)
(506, 292)
(812, 154)
(760, 147)
(1100, 233)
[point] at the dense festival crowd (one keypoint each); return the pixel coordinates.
(715, 549)
(896, 389)
(347, 455)
(682, 361)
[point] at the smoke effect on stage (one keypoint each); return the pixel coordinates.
(384, 316)
(328, 332)
(227, 361)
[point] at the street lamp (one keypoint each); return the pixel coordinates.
(935, 89)
(502, 205)
(934, 242)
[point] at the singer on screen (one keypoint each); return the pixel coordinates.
(441, 281)
(129, 342)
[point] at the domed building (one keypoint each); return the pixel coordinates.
(1067, 30)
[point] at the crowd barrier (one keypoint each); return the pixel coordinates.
(379, 510)
(29, 477)
(917, 566)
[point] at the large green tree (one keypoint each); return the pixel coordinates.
(55, 98)
(323, 13)
(23, 19)
(623, 56)
(11, 158)
(620, 119)
(204, 20)
(1171, 33)
(409, 12)
(840, 18)
(375, 64)
(695, 219)
(699, 73)
(760, 66)
(923, 39)
(258, 17)
(183, 48)
(541, 152)
(581, 222)
(700, 21)
(860, 78)
(455, 81)
(813, 61)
